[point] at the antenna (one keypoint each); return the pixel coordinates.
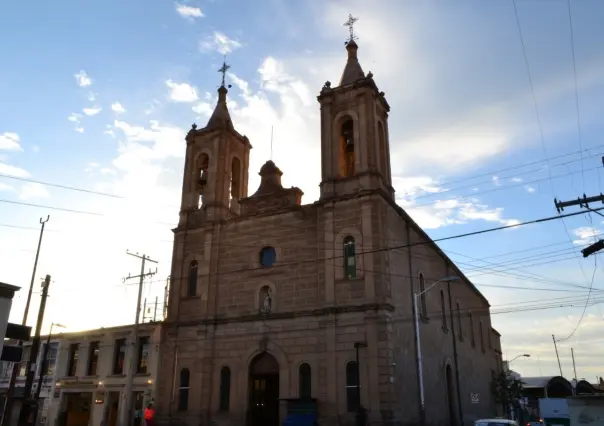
(272, 143)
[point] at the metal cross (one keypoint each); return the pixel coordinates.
(350, 25)
(223, 69)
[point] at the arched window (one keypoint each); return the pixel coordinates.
(350, 263)
(423, 309)
(443, 310)
(183, 390)
(481, 336)
(235, 189)
(383, 151)
(347, 157)
(459, 326)
(225, 388)
(304, 382)
(192, 285)
(202, 178)
(472, 336)
(352, 382)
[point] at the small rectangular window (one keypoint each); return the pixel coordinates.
(72, 364)
(93, 358)
(143, 355)
(119, 356)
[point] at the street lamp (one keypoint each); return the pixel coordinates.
(419, 348)
(519, 356)
(360, 418)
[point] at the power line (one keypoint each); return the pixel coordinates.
(20, 203)
(56, 185)
(538, 118)
(432, 194)
(502, 188)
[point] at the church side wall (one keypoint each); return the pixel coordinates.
(404, 266)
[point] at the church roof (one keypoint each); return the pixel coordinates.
(221, 119)
(352, 71)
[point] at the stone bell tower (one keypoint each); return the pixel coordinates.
(355, 154)
(216, 167)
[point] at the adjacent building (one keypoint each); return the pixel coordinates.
(48, 377)
(275, 305)
(86, 374)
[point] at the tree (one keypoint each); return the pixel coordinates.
(507, 390)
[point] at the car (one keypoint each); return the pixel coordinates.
(495, 422)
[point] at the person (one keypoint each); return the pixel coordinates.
(149, 415)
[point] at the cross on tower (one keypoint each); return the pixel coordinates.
(350, 25)
(223, 69)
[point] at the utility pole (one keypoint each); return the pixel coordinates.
(557, 356)
(30, 406)
(166, 297)
(155, 309)
(127, 416)
(572, 354)
(16, 365)
(33, 274)
(584, 203)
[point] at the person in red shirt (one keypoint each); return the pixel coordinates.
(149, 415)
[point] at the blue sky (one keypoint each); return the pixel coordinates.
(98, 95)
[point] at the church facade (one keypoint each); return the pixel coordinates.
(278, 307)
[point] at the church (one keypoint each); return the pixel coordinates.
(288, 313)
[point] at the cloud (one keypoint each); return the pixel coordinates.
(182, 92)
(5, 187)
(443, 212)
(220, 43)
(586, 235)
(496, 181)
(82, 79)
(79, 129)
(530, 189)
(203, 108)
(75, 117)
(32, 190)
(9, 170)
(189, 11)
(10, 142)
(92, 111)
(35, 149)
(516, 180)
(117, 107)
(91, 97)
(534, 335)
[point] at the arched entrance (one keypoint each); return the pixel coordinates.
(263, 405)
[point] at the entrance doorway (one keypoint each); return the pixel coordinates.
(450, 395)
(264, 391)
(78, 408)
(112, 403)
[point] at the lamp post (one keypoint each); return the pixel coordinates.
(43, 368)
(420, 372)
(519, 356)
(360, 417)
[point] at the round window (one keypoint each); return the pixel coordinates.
(268, 256)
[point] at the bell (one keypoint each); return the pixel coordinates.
(203, 180)
(349, 144)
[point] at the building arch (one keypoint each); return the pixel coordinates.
(341, 159)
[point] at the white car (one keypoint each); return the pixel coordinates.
(495, 422)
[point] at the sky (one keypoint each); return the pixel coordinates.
(494, 114)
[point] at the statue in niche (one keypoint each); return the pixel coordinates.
(267, 301)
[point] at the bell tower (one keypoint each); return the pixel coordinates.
(355, 154)
(216, 167)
